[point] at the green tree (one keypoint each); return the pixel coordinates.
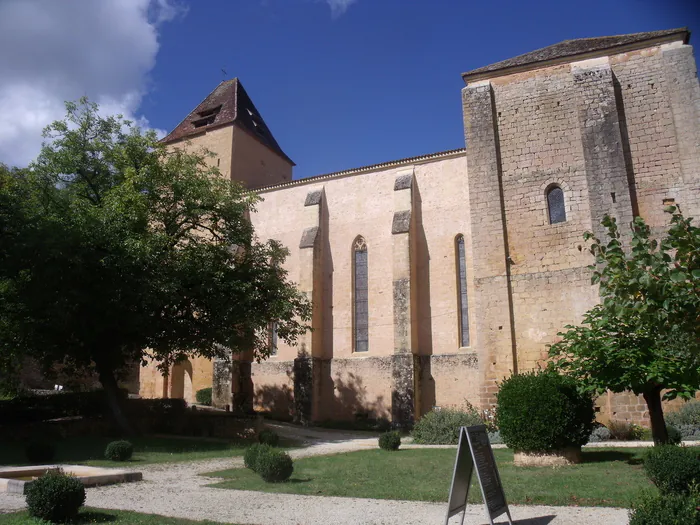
(113, 249)
(644, 336)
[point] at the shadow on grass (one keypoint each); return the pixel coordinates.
(81, 449)
(94, 517)
(298, 480)
(542, 520)
(605, 456)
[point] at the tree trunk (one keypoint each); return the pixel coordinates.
(656, 415)
(111, 388)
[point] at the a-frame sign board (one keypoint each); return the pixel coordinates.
(475, 451)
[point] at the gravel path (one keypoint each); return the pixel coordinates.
(177, 490)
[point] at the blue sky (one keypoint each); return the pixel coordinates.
(364, 82)
(378, 82)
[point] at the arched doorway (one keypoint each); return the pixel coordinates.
(181, 381)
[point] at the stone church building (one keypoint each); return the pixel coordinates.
(436, 276)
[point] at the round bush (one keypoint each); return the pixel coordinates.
(441, 427)
(542, 412)
(39, 451)
(275, 466)
(669, 509)
(268, 437)
(55, 497)
(203, 396)
(119, 451)
(390, 440)
(252, 453)
(673, 469)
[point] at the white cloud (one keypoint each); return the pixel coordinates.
(338, 7)
(52, 51)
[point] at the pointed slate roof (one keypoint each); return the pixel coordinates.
(227, 104)
(579, 46)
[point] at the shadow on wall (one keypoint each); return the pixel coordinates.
(423, 336)
(349, 401)
(275, 400)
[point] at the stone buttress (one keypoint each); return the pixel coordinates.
(309, 361)
(405, 363)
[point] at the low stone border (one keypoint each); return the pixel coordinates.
(89, 476)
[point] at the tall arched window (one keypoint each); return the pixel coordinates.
(360, 296)
(462, 291)
(555, 205)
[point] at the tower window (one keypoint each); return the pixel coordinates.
(462, 292)
(555, 205)
(360, 296)
(206, 117)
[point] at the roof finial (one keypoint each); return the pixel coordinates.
(223, 72)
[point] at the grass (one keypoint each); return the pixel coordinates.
(607, 477)
(114, 517)
(147, 449)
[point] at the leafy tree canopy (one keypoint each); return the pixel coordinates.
(644, 336)
(112, 249)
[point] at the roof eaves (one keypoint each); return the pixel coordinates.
(365, 169)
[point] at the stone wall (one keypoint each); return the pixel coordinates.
(615, 134)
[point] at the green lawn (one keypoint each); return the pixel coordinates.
(114, 517)
(607, 477)
(90, 450)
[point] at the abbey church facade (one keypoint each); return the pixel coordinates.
(434, 277)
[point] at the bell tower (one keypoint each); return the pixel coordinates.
(228, 124)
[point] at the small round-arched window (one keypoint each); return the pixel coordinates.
(555, 205)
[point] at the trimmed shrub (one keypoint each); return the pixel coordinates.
(274, 466)
(268, 437)
(119, 450)
(688, 414)
(203, 396)
(599, 434)
(390, 440)
(441, 427)
(673, 469)
(39, 451)
(252, 453)
(55, 497)
(670, 509)
(674, 435)
(539, 412)
(625, 431)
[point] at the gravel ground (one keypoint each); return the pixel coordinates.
(177, 490)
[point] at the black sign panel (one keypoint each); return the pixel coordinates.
(478, 456)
